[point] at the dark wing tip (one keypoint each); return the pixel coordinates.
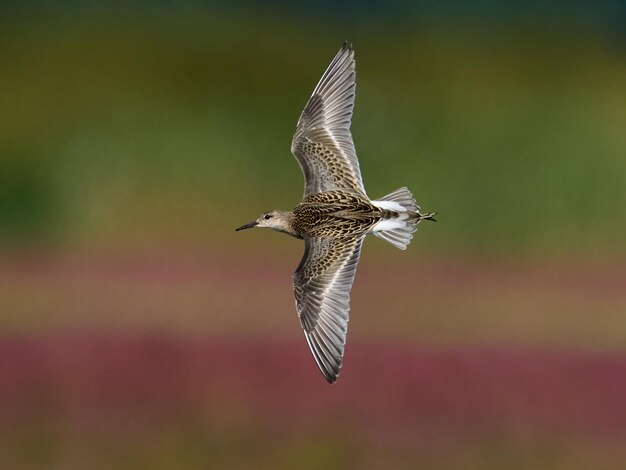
(330, 375)
(328, 366)
(347, 46)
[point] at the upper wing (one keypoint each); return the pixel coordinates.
(322, 286)
(322, 143)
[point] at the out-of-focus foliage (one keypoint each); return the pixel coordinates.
(137, 330)
(144, 128)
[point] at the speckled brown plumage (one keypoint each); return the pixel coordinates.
(335, 214)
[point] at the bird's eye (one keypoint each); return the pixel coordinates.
(267, 216)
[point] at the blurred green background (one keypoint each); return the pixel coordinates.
(134, 139)
(173, 124)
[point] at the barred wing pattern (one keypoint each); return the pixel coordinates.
(322, 286)
(322, 143)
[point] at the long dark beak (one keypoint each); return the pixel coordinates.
(250, 225)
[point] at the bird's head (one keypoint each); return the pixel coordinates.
(276, 220)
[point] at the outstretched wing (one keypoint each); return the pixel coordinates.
(322, 286)
(322, 143)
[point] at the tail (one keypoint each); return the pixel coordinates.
(404, 215)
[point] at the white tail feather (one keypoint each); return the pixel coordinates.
(397, 231)
(403, 197)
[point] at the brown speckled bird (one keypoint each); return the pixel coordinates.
(335, 214)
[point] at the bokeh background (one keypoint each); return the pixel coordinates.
(138, 330)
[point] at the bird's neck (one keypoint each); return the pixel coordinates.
(286, 225)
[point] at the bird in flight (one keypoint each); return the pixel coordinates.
(335, 214)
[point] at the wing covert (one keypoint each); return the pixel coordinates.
(322, 284)
(323, 143)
